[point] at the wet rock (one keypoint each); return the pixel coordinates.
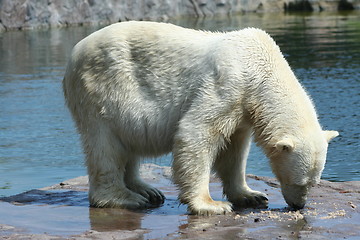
(62, 211)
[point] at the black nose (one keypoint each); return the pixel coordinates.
(297, 206)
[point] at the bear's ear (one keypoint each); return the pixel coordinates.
(330, 135)
(285, 144)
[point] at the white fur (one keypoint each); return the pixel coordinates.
(141, 89)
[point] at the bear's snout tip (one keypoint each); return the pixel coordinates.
(295, 196)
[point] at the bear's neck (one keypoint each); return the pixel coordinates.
(278, 106)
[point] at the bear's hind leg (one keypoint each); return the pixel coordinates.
(106, 159)
(230, 166)
(135, 184)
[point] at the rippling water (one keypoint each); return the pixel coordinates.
(39, 145)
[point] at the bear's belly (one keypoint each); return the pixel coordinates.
(148, 134)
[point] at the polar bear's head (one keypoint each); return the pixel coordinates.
(298, 164)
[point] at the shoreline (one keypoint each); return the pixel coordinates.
(61, 211)
(33, 14)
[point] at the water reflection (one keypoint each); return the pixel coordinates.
(35, 52)
(110, 219)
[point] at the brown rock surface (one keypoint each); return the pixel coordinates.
(61, 211)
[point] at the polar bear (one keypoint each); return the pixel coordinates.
(143, 89)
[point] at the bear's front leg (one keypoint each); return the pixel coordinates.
(194, 152)
(230, 166)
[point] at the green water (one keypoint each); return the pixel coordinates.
(38, 142)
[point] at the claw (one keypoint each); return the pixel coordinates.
(261, 199)
(264, 198)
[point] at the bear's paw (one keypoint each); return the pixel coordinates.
(154, 195)
(209, 207)
(250, 198)
(122, 198)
